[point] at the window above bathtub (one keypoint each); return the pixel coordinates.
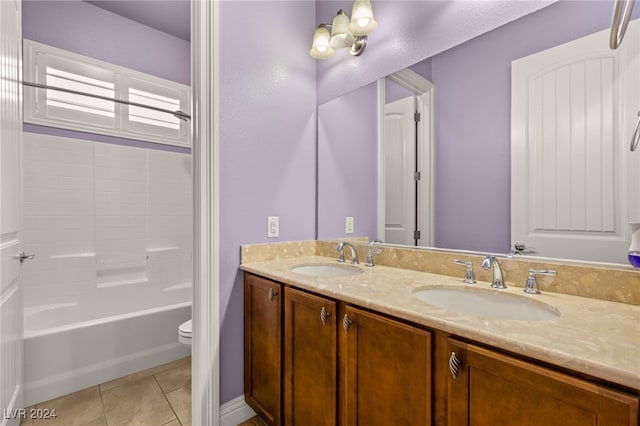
(51, 66)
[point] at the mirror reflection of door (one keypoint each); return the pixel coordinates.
(573, 111)
(406, 156)
(399, 168)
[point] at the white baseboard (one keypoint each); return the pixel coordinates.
(234, 412)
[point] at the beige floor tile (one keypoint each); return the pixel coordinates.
(172, 423)
(139, 403)
(174, 378)
(254, 421)
(145, 373)
(180, 400)
(74, 409)
(97, 422)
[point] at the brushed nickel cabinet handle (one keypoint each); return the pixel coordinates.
(454, 365)
(324, 315)
(272, 294)
(346, 323)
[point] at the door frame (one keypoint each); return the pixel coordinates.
(424, 91)
(205, 383)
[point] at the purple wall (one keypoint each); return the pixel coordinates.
(267, 147)
(347, 130)
(408, 32)
(85, 29)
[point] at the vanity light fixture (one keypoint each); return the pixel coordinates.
(345, 32)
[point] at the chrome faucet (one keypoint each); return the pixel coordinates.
(371, 252)
(469, 276)
(498, 280)
(532, 285)
(354, 253)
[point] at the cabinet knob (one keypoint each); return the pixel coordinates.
(454, 365)
(324, 315)
(272, 294)
(346, 323)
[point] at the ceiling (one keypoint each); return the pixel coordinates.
(169, 16)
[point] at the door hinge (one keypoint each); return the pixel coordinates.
(416, 235)
(417, 176)
(417, 117)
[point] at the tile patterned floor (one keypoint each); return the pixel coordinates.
(157, 396)
(254, 421)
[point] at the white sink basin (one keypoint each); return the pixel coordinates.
(326, 270)
(487, 303)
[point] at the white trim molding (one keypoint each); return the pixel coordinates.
(54, 67)
(235, 412)
(205, 384)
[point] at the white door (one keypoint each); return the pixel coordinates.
(572, 118)
(10, 218)
(399, 146)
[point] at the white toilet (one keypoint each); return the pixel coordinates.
(184, 333)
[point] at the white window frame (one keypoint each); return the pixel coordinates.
(36, 56)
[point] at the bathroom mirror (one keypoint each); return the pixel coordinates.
(471, 170)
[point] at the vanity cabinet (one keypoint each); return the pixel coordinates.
(310, 359)
(490, 388)
(262, 347)
(385, 371)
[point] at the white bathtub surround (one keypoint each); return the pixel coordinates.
(111, 228)
(98, 215)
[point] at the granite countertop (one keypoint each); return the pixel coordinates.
(594, 337)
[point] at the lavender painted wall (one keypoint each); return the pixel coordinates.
(267, 147)
(408, 32)
(347, 130)
(88, 30)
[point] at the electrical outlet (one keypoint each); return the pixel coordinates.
(348, 225)
(273, 226)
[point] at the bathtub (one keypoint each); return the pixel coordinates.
(72, 345)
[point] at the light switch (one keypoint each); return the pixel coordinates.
(348, 225)
(273, 226)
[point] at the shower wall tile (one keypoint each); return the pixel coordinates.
(58, 215)
(91, 212)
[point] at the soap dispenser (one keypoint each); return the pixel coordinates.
(634, 249)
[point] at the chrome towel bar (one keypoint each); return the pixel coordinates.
(618, 26)
(636, 135)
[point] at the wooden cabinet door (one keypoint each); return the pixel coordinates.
(310, 359)
(262, 350)
(496, 389)
(385, 371)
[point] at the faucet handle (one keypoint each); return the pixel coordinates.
(371, 252)
(469, 277)
(340, 249)
(531, 286)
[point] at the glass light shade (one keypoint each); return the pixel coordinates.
(340, 36)
(321, 48)
(362, 21)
